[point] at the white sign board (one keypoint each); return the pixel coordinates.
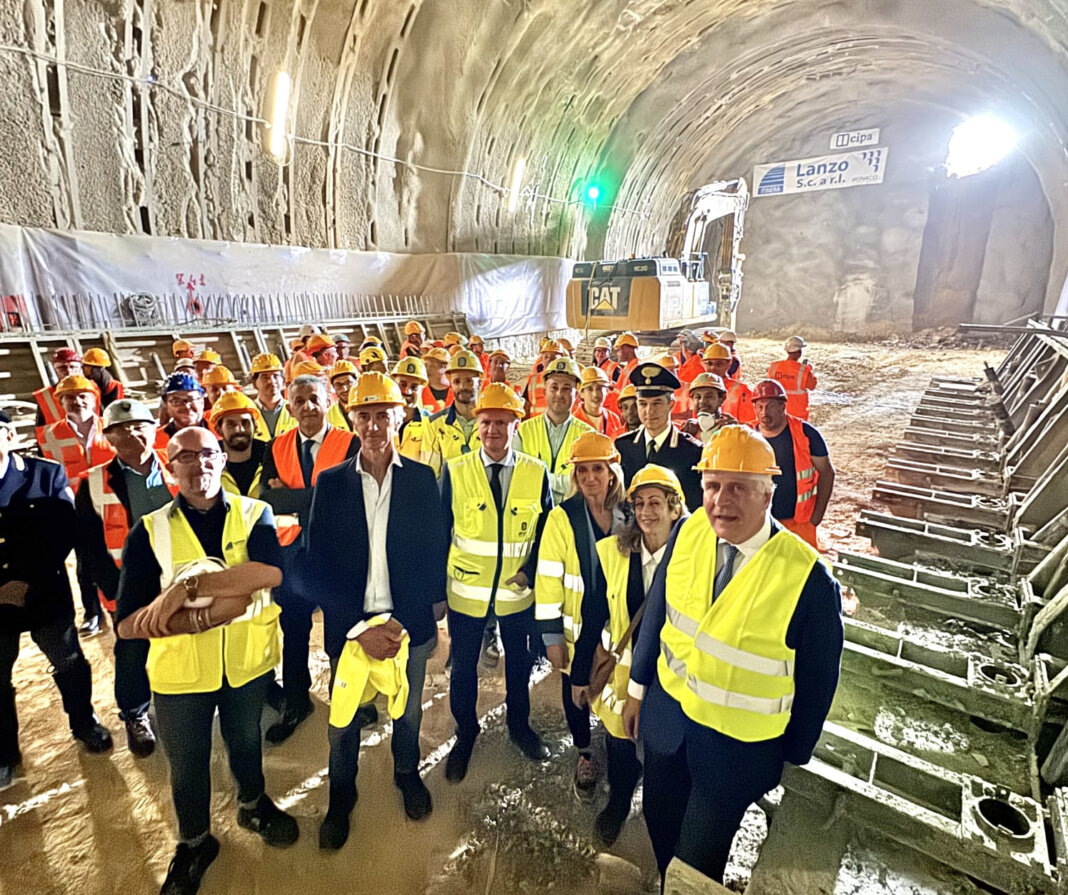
(855, 139)
(823, 172)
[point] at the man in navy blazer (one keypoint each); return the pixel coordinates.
(375, 545)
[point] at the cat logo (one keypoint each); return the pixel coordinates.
(604, 298)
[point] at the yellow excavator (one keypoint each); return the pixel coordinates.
(681, 288)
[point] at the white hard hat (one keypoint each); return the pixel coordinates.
(126, 410)
(728, 335)
(795, 343)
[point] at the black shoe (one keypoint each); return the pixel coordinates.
(283, 729)
(530, 744)
(334, 831)
(417, 804)
(94, 737)
(90, 626)
(188, 866)
(140, 738)
(275, 826)
(458, 760)
(610, 822)
(366, 715)
(276, 697)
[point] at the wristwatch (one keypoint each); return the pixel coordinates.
(191, 585)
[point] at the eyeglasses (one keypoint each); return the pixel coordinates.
(205, 455)
(188, 401)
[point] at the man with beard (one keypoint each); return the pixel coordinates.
(235, 418)
(453, 431)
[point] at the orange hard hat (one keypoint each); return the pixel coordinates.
(320, 342)
(454, 338)
(307, 368)
(668, 362)
(230, 403)
(475, 340)
(500, 396)
(593, 446)
(500, 352)
(74, 385)
(413, 367)
(738, 449)
(374, 388)
(658, 476)
(413, 327)
(219, 375)
(716, 351)
(296, 344)
(96, 357)
(566, 345)
(266, 363)
(180, 345)
(769, 388)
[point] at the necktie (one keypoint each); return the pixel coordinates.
(650, 449)
(495, 485)
(307, 461)
(726, 572)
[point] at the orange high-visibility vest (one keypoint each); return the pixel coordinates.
(805, 473)
(610, 425)
(51, 411)
(691, 369)
(432, 404)
(61, 443)
(609, 366)
(113, 514)
(535, 390)
(797, 378)
(611, 400)
(286, 453)
(739, 401)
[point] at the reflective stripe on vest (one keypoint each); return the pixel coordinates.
(727, 664)
(482, 557)
(535, 436)
(446, 440)
(61, 443)
(110, 509)
(807, 476)
(360, 677)
(790, 374)
(535, 389)
(608, 704)
(286, 451)
(558, 585)
(50, 409)
(242, 650)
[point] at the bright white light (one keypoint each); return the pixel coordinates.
(518, 169)
(978, 144)
(279, 91)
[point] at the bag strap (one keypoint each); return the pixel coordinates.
(625, 639)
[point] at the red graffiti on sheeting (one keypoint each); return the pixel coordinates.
(14, 311)
(190, 281)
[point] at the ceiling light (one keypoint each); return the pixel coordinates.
(978, 144)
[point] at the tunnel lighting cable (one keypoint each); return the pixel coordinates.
(153, 82)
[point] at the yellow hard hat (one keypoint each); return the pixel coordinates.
(74, 385)
(374, 340)
(343, 367)
(565, 365)
(209, 356)
(320, 342)
(96, 357)
(411, 366)
(180, 345)
(372, 355)
(307, 368)
(708, 380)
(230, 403)
(500, 352)
(602, 342)
(738, 449)
(668, 362)
(594, 376)
(454, 338)
(627, 391)
(591, 446)
(438, 354)
(475, 340)
(266, 363)
(464, 360)
(413, 327)
(500, 396)
(375, 388)
(453, 348)
(716, 351)
(219, 375)
(551, 346)
(627, 339)
(659, 476)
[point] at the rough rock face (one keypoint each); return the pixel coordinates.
(151, 127)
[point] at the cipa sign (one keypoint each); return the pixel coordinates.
(824, 172)
(855, 139)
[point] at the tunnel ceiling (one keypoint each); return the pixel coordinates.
(652, 98)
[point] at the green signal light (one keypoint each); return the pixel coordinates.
(593, 192)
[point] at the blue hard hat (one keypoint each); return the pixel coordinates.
(182, 382)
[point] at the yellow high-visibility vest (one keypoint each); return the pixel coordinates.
(443, 441)
(558, 585)
(229, 483)
(283, 424)
(414, 437)
(727, 663)
(359, 678)
(480, 562)
(535, 438)
(242, 650)
(608, 704)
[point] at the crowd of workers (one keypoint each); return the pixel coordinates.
(648, 525)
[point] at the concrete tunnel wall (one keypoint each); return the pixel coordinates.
(663, 96)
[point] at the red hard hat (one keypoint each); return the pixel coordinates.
(66, 356)
(768, 388)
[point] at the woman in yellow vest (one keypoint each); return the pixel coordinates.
(213, 641)
(567, 568)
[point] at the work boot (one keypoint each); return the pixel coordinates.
(140, 738)
(188, 866)
(274, 826)
(459, 758)
(275, 698)
(610, 822)
(586, 776)
(291, 718)
(334, 830)
(417, 803)
(529, 744)
(90, 626)
(94, 736)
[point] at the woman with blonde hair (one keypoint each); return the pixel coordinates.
(612, 612)
(568, 568)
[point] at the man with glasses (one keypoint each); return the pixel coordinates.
(183, 406)
(206, 560)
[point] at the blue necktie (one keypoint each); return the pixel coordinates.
(307, 461)
(726, 572)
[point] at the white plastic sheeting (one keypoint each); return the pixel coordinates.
(501, 295)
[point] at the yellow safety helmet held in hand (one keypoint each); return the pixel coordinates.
(413, 367)
(738, 449)
(592, 446)
(374, 388)
(219, 375)
(564, 365)
(464, 360)
(74, 385)
(343, 367)
(96, 357)
(230, 403)
(413, 328)
(594, 376)
(266, 363)
(716, 351)
(627, 339)
(500, 396)
(660, 476)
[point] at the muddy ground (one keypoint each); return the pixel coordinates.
(104, 824)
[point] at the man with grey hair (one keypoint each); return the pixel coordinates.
(689, 365)
(291, 466)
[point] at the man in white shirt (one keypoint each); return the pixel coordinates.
(375, 551)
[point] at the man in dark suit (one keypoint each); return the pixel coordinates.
(37, 531)
(657, 440)
(375, 548)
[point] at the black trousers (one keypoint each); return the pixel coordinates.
(132, 693)
(466, 632)
(71, 672)
(578, 720)
(87, 588)
(624, 770)
(296, 621)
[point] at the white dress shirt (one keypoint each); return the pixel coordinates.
(746, 550)
(507, 465)
(376, 498)
(658, 440)
(650, 563)
(317, 438)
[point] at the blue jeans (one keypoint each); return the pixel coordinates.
(345, 741)
(183, 723)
